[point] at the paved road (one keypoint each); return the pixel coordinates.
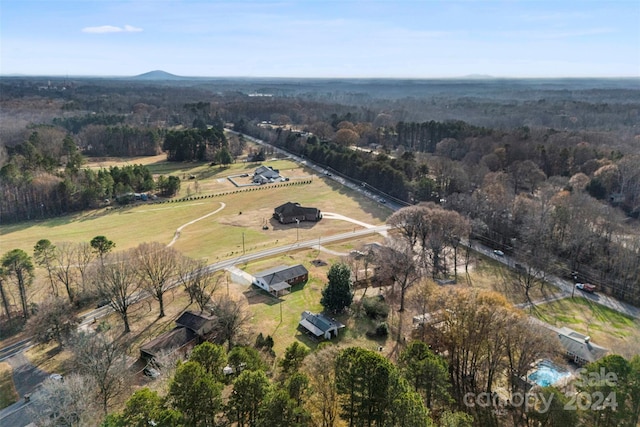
(566, 287)
(329, 173)
(29, 377)
(15, 415)
(26, 378)
(10, 350)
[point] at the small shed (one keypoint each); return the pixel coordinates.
(319, 325)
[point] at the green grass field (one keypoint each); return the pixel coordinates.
(214, 237)
(606, 327)
(239, 226)
(494, 276)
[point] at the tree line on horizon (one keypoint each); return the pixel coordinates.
(495, 175)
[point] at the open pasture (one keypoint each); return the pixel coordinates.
(606, 327)
(214, 236)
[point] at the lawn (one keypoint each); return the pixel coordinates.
(486, 273)
(279, 317)
(50, 358)
(215, 236)
(606, 327)
(8, 393)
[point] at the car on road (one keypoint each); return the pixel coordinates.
(151, 372)
(498, 252)
(585, 287)
(102, 303)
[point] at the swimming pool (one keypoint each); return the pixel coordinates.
(547, 374)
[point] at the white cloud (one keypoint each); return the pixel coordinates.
(111, 29)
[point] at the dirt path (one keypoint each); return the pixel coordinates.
(332, 215)
(176, 235)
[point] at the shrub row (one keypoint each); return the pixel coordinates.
(226, 193)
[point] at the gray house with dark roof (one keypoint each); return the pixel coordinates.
(281, 278)
(319, 325)
(579, 347)
(291, 212)
(265, 174)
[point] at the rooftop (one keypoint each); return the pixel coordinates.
(282, 273)
(580, 345)
(194, 321)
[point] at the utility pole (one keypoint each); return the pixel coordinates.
(297, 229)
(243, 243)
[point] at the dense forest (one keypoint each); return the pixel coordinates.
(546, 170)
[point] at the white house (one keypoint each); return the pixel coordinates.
(265, 174)
(280, 278)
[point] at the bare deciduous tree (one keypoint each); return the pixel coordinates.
(54, 321)
(156, 265)
(3, 293)
(103, 359)
(84, 255)
(64, 403)
(198, 282)
(231, 318)
(396, 261)
(408, 221)
(64, 271)
(323, 402)
(421, 300)
(118, 282)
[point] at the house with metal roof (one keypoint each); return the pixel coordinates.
(281, 278)
(319, 325)
(579, 347)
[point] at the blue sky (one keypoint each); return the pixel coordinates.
(327, 38)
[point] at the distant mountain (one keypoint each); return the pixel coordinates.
(157, 75)
(478, 77)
